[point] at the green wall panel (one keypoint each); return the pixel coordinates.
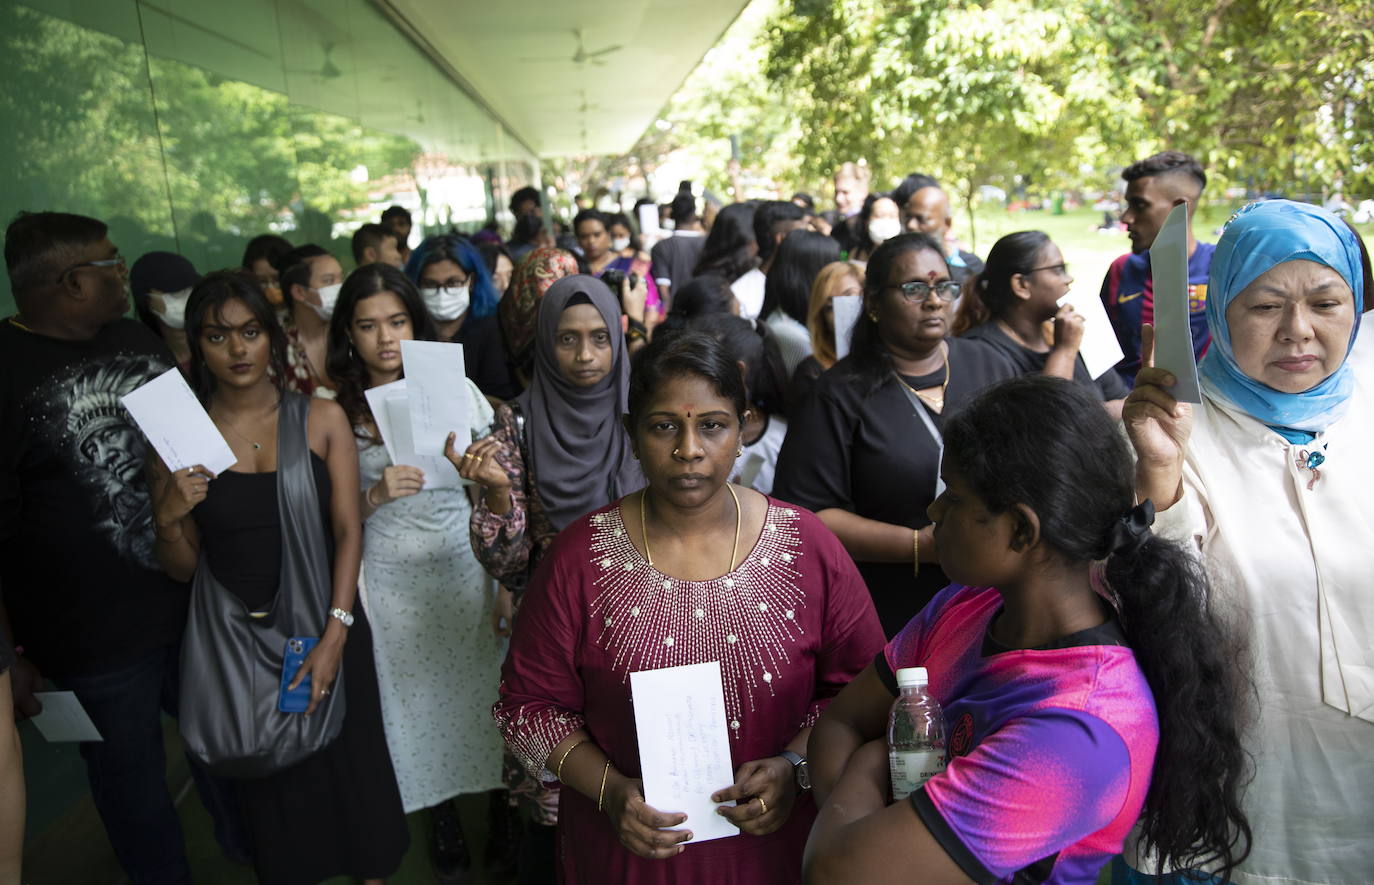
(194, 125)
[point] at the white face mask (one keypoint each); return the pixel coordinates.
(445, 304)
(620, 244)
(329, 296)
(880, 230)
(170, 307)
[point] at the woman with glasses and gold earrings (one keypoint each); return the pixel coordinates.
(1009, 302)
(864, 452)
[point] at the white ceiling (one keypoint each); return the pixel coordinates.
(518, 56)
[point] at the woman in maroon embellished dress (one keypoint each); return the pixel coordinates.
(644, 584)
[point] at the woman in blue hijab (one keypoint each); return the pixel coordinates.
(1270, 479)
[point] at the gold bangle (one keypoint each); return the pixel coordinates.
(602, 795)
(558, 772)
(916, 553)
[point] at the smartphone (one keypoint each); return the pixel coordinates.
(298, 699)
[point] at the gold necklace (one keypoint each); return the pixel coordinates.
(236, 432)
(936, 403)
(14, 321)
(644, 529)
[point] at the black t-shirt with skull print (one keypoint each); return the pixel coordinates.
(82, 588)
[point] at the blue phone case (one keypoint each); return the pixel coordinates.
(297, 648)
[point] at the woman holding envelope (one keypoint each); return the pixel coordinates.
(1269, 479)
(1008, 303)
(337, 812)
(437, 628)
(690, 570)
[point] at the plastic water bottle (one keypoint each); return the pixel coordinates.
(915, 734)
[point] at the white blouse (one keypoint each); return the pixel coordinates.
(1297, 565)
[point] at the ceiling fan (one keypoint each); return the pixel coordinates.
(582, 56)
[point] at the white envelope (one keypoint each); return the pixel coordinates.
(437, 391)
(63, 718)
(684, 744)
(177, 425)
(390, 404)
(1100, 349)
(848, 309)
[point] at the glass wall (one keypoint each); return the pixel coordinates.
(195, 125)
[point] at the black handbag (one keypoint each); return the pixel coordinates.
(231, 658)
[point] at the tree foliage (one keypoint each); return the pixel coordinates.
(1045, 94)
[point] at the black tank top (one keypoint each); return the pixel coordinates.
(240, 531)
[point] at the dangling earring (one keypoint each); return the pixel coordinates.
(739, 451)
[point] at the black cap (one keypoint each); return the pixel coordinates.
(161, 272)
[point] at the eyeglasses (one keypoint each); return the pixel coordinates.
(117, 261)
(918, 291)
(450, 283)
(1062, 268)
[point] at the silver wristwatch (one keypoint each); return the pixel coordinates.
(803, 774)
(344, 617)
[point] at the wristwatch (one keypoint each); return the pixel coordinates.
(799, 769)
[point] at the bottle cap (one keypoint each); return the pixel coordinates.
(909, 676)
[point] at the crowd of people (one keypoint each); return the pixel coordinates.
(1147, 621)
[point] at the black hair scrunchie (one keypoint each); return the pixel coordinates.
(1131, 531)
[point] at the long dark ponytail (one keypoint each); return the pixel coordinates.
(987, 294)
(1049, 445)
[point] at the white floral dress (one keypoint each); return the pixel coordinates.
(438, 660)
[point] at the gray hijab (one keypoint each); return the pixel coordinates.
(577, 445)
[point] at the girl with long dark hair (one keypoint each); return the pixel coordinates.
(1078, 698)
(338, 811)
(730, 249)
(437, 622)
(787, 292)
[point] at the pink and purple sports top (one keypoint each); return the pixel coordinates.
(1050, 748)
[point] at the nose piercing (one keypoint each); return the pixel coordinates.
(675, 451)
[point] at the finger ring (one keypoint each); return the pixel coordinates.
(762, 804)
(467, 455)
(323, 692)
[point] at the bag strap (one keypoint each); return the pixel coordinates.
(922, 413)
(306, 588)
